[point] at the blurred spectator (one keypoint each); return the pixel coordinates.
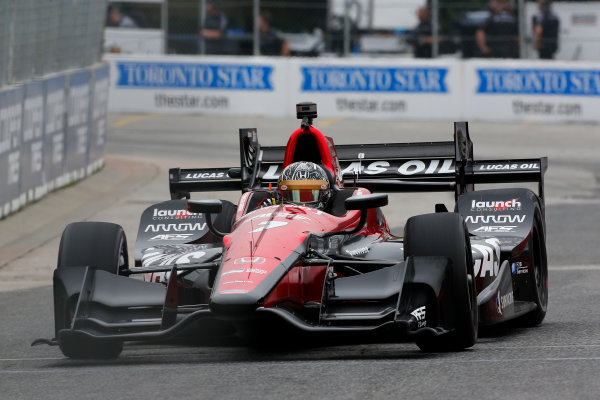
(499, 35)
(271, 42)
(545, 30)
(215, 21)
(420, 38)
(117, 19)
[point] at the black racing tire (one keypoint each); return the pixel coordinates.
(101, 244)
(538, 275)
(83, 244)
(446, 235)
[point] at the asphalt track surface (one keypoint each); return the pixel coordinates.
(558, 360)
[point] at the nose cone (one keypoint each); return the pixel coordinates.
(263, 246)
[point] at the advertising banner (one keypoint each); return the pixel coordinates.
(78, 123)
(535, 91)
(100, 83)
(55, 134)
(379, 88)
(32, 177)
(11, 113)
(215, 85)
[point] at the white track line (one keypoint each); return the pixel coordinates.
(590, 267)
(305, 362)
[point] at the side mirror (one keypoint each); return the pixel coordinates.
(205, 206)
(366, 202)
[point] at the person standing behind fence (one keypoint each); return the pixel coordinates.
(119, 20)
(215, 21)
(420, 38)
(271, 42)
(214, 28)
(499, 35)
(545, 31)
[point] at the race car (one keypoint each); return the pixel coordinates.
(307, 251)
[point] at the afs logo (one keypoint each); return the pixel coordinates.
(249, 260)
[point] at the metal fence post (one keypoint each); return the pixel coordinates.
(435, 28)
(256, 39)
(346, 28)
(202, 16)
(523, 50)
(164, 22)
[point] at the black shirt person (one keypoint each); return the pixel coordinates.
(421, 38)
(271, 42)
(499, 35)
(545, 31)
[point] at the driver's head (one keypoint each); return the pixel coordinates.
(305, 183)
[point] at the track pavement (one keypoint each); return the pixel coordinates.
(560, 359)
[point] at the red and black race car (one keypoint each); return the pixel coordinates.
(296, 258)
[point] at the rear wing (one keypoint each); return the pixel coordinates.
(390, 167)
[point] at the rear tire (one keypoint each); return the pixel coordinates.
(538, 274)
(83, 244)
(445, 235)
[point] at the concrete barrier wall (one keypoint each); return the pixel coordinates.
(384, 88)
(52, 132)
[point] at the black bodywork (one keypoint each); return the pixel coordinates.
(368, 285)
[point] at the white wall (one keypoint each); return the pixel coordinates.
(387, 88)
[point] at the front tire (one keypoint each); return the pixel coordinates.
(83, 244)
(445, 235)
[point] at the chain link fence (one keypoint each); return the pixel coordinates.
(420, 28)
(39, 37)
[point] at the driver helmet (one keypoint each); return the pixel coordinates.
(305, 183)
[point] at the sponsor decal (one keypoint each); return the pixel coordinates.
(398, 168)
(245, 270)
(487, 258)
(539, 81)
(194, 75)
(159, 214)
(256, 271)
(374, 79)
(14, 166)
(281, 215)
(205, 175)
(419, 314)
(406, 168)
(518, 268)
(494, 219)
(369, 105)
(249, 260)
(495, 229)
(163, 100)
(161, 256)
(358, 252)
(230, 282)
(268, 225)
(508, 167)
(508, 205)
(520, 107)
(172, 236)
(182, 227)
(503, 301)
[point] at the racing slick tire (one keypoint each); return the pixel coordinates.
(85, 244)
(446, 235)
(538, 275)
